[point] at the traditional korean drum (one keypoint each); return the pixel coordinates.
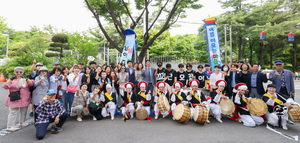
(163, 104)
(227, 106)
(200, 114)
(141, 114)
(294, 113)
(257, 107)
(182, 113)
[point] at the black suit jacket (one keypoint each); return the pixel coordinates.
(259, 82)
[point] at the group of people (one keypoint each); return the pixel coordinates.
(104, 90)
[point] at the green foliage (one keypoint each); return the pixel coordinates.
(57, 48)
(60, 38)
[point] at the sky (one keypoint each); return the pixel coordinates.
(72, 16)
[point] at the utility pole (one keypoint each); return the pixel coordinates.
(104, 52)
(230, 28)
(225, 43)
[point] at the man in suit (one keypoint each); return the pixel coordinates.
(255, 81)
(282, 79)
(148, 76)
(234, 78)
(131, 73)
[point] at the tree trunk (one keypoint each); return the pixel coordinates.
(240, 47)
(261, 57)
(142, 54)
(271, 55)
(251, 51)
(295, 66)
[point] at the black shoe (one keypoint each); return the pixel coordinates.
(31, 114)
(271, 126)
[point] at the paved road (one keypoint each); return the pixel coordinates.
(162, 130)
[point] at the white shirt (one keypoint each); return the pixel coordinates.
(64, 84)
(214, 78)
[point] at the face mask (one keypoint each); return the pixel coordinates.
(225, 69)
(159, 65)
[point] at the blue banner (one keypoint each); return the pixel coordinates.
(130, 45)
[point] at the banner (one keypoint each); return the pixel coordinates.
(212, 36)
(130, 45)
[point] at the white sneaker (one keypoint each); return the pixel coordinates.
(173, 118)
(79, 119)
(207, 121)
(219, 120)
(94, 118)
(285, 127)
(112, 118)
(23, 125)
(156, 117)
(12, 129)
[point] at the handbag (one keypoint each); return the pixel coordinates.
(14, 96)
(95, 105)
(72, 88)
(58, 92)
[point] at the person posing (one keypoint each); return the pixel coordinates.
(87, 77)
(55, 79)
(234, 78)
(143, 100)
(107, 70)
(50, 73)
(196, 98)
(74, 84)
(103, 81)
(172, 75)
(64, 85)
(131, 73)
(18, 98)
(79, 105)
(226, 72)
(41, 85)
(115, 85)
(241, 101)
(129, 100)
(161, 73)
(47, 113)
(201, 77)
(109, 99)
(149, 77)
(208, 73)
(275, 100)
(161, 92)
(123, 76)
(98, 74)
(177, 97)
(138, 72)
(255, 81)
(190, 73)
(182, 76)
(95, 105)
(214, 77)
(216, 96)
(282, 79)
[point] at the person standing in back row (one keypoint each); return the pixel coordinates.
(255, 81)
(201, 77)
(190, 73)
(161, 73)
(148, 76)
(182, 76)
(172, 75)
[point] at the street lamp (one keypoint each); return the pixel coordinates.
(7, 44)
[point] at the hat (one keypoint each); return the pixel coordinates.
(80, 63)
(271, 85)
(178, 84)
(56, 63)
(128, 85)
(93, 62)
(50, 92)
(278, 62)
(207, 65)
(43, 69)
(143, 84)
(161, 84)
(240, 86)
(194, 82)
(108, 86)
(38, 64)
(221, 83)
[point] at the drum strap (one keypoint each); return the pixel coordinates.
(244, 99)
(276, 99)
(178, 96)
(108, 96)
(128, 97)
(196, 96)
(143, 94)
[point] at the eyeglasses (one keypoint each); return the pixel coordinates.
(18, 72)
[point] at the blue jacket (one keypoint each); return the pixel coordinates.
(259, 82)
(131, 76)
(289, 81)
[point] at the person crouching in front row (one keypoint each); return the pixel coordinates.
(216, 97)
(196, 98)
(161, 92)
(129, 99)
(177, 97)
(47, 114)
(143, 100)
(109, 99)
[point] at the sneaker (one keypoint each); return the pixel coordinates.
(94, 118)
(207, 121)
(285, 127)
(59, 129)
(219, 120)
(31, 114)
(156, 117)
(12, 129)
(112, 118)
(23, 125)
(290, 122)
(173, 118)
(79, 119)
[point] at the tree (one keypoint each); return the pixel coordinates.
(113, 11)
(60, 43)
(19, 49)
(185, 47)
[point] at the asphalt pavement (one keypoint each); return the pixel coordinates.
(161, 130)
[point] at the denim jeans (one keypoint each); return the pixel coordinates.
(64, 100)
(70, 99)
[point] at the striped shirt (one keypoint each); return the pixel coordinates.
(47, 111)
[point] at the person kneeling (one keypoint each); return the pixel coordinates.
(177, 97)
(46, 114)
(215, 98)
(95, 106)
(161, 86)
(129, 100)
(196, 98)
(279, 104)
(143, 100)
(241, 101)
(79, 105)
(109, 99)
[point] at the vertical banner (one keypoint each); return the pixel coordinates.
(130, 45)
(212, 36)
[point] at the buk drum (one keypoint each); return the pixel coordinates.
(294, 113)
(182, 113)
(200, 114)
